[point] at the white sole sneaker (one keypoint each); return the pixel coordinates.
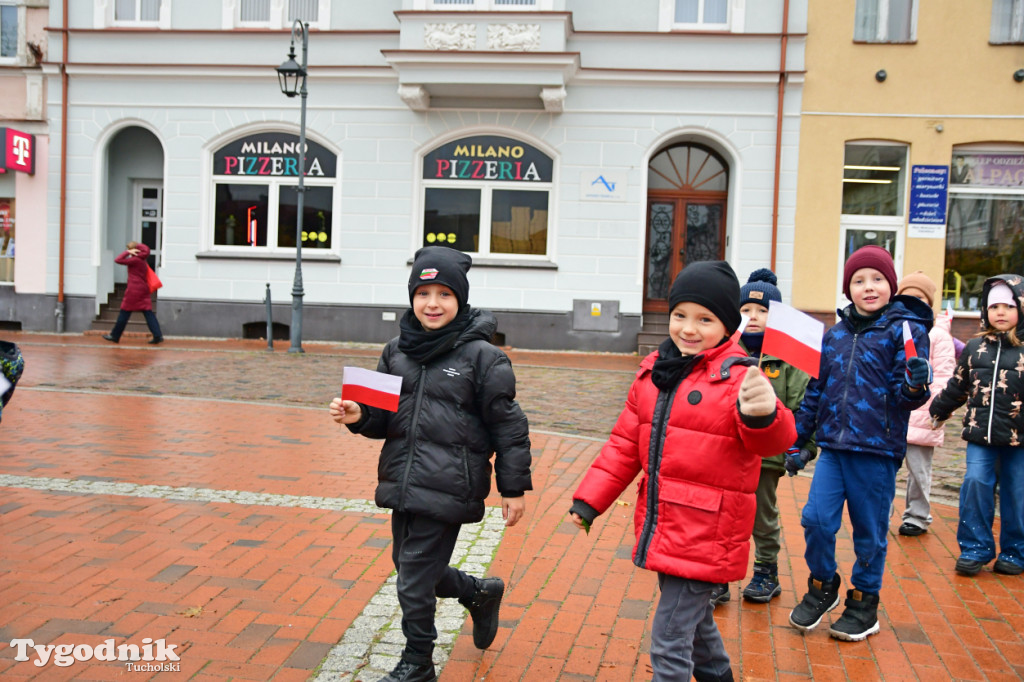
(847, 637)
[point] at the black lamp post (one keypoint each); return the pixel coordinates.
(293, 82)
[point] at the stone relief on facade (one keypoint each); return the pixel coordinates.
(513, 37)
(450, 36)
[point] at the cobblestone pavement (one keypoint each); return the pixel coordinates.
(196, 492)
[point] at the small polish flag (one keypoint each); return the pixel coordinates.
(908, 341)
(794, 337)
(739, 330)
(375, 389)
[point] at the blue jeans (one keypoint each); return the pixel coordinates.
(122, 321)
(987, 465)
(867, 484)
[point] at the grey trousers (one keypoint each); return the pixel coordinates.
(684, 638)
(919, 485)
(767, 532)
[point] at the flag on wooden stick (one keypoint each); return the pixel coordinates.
(794, 337)
(375, 389)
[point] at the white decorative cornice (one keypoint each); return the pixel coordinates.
(450, 36)
(415, 97)
(554, 99)
(513, 37)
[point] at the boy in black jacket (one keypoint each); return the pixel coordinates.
(457, 408)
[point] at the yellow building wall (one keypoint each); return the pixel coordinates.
(950, 87)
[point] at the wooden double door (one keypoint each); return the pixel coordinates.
(681, 229)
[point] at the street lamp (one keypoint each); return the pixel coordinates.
(293, 82)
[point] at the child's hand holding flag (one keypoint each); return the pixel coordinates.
(365, 386)
(919, 372)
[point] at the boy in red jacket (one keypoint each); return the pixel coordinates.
(697, 421)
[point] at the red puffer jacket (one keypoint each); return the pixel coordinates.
(137, 295)
(696, 503)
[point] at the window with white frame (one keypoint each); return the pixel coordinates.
(1007, 22)
(701, 15)
(874, 199)
(985, 222)
(487, 195)
(136, 11)
(8, 31)
(885, 21)
(483, 5)
(276, 13)
(255, 203)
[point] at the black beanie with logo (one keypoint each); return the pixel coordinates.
(441, 265)
(712, 284)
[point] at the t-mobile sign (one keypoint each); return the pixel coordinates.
(19, 151)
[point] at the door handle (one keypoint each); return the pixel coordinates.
(682, 251)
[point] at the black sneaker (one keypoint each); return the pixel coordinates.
(764, 586)
(410, 672)
(819, 600)
(719, 594)
(110, 338)
(966, 566)
(156, 341)
(910, 529)
(860, 618)
(1007, 567)
(483, 609)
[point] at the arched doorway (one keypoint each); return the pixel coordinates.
(686, 203)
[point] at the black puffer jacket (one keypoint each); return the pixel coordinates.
(989, 377)
(453, 414)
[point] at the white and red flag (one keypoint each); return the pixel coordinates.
(375, 389)
(794, 337)
(908, 341)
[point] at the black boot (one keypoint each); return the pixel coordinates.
(821, 598)
(719, 594)
(483, 609)
(764, 586)
(702, 676)
(860, 618)
(410, 672)
(110, 337)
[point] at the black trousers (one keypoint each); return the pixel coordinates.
(421, 550)
(122, 321)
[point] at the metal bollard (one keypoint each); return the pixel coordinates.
(270, 321)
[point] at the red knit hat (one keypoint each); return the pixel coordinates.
(870, 256)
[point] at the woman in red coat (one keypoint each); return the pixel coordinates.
(137, 295)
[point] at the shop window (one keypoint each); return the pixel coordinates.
(487, 194)
(985, 228)
(885, 21)
(8, 31)
(873, 208)
(1007, 21)
(6, 241)
(255, 198)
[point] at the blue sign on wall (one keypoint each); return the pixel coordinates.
(929, 186)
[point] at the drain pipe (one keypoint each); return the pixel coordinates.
(59, 312)
(778, 129)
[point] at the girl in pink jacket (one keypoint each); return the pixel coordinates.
(921, 439)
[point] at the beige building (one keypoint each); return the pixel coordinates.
(912, 138)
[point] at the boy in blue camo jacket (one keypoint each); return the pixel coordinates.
(858, 408)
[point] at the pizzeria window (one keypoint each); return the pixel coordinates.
(255, 202)
(488, 195)
(985, 222)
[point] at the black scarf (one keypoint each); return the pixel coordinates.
(861, 322)
(753, 342)
(422, 345)
(671, 366)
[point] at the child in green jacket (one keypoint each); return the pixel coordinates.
(789, 384)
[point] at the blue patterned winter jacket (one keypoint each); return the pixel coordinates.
(859, 402)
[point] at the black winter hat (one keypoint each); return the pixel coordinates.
(712, 284)
(441, 265)
(760, 288)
